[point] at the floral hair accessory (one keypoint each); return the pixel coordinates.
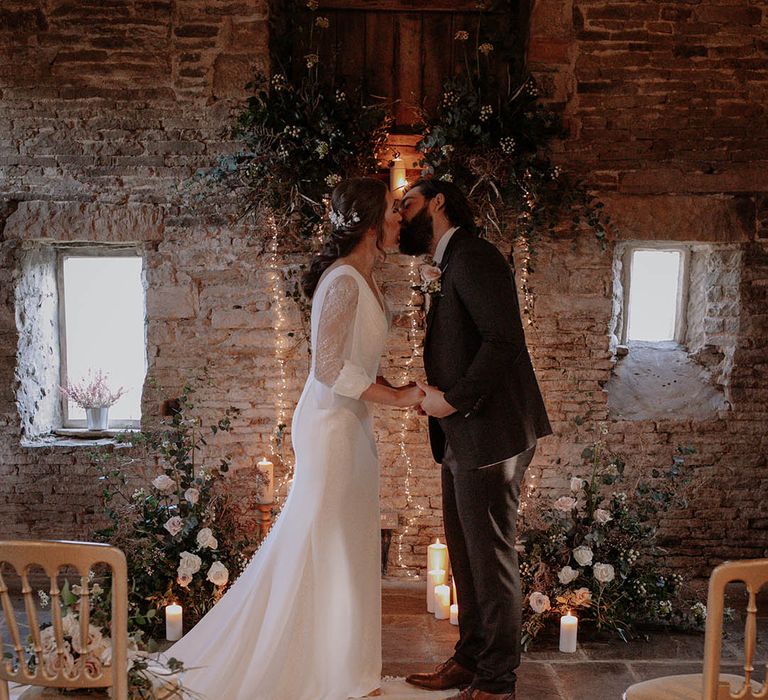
(340, 221)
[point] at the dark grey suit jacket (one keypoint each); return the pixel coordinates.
(475, 351)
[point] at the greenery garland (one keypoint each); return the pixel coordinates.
(301, 136)
(491, 134)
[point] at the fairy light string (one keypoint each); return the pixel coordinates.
(412, 510)
(281, 346)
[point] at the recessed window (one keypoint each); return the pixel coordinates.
(674, 327)
(654, 280)
(101, 309)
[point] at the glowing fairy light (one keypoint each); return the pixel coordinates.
(412, 511)
(281, 346)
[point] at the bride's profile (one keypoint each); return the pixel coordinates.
(303, 621)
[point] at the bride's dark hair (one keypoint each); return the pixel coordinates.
(357, 205)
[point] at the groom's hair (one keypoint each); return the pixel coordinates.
(458, 210)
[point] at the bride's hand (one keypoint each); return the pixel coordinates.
(409, 396)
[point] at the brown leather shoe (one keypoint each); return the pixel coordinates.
(447, 675)
(475, 694)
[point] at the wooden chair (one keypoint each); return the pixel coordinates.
(51, 556)
(711, 684)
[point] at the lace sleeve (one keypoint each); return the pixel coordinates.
(333, 364)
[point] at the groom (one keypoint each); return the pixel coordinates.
(485, 416)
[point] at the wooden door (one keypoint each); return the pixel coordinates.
(403, 50)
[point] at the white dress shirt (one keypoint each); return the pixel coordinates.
(442, 244)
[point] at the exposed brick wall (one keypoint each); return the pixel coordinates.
(106, 109)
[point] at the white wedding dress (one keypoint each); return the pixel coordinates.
(303, 621)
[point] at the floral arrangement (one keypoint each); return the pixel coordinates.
(491, 135)
(177, 530)
(593, 552)
(149, 675)
(92, 391)
(431, 276)
(301, 135)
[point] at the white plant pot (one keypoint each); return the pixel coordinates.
(97, 418)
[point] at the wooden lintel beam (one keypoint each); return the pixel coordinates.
(463, 6)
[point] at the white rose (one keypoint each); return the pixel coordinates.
(205, 539)
(582, 596)
(565, 504)
(184, 578)
(164, 484)
(602, 516)
(583, 555)
(604, 573)
(174, 525)
(192, 495)
(539, 602)
(70, 624)
(576, 484)
(104, 651)
(218, 574)
(567, 574)
(48, 640)
(190, 563)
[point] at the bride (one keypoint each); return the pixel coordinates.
(303, 621)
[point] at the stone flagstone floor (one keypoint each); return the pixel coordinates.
(599, 670)
(414, 640)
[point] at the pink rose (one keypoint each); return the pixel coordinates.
(581, 596)
(539, 602)
(91, 666)
(430, 273)
(174, 525)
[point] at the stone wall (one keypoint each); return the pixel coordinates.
(106, 109)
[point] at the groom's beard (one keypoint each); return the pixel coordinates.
(416, 235)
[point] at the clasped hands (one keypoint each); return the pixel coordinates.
(430, 400)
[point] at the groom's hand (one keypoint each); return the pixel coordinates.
(434, 403)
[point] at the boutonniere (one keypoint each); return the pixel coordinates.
(431, 274)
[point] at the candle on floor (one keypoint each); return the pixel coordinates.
(569, 625)
(437, 556)
(442, 602)
(455, 614)
(173, 622)
(435, 577)
(453, 587)
(268, 470)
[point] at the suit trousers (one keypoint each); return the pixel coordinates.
(480, 513)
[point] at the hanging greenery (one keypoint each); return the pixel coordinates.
(492, 135)
(301, 135)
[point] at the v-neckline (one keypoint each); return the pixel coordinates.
(376, 294)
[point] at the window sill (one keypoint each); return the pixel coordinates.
(660, 381)
(80, 437)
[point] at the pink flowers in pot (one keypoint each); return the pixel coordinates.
(92, 391)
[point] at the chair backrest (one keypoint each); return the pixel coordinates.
(753, 573)
(52, 556)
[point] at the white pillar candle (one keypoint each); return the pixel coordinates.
(437, 556)
(569, 625)
(442, 602)
(434, 578)
(174, 625)
(455, 614)
(268, 470)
